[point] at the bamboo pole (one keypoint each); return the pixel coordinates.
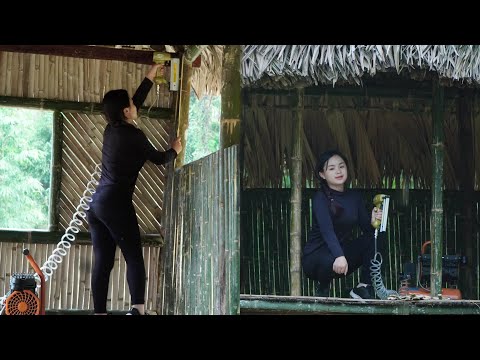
(184, 106)
(296, 199)
(231, 97)
(437, 190)
(165, 114)
(56, 174)
(251, 304)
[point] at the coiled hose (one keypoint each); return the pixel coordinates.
(381, 201)
(69, 236)
(376, 275)
(66, 240)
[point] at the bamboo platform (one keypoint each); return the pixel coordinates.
(308, 305)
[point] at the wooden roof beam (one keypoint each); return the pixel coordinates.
(86, 52)
(101, 52)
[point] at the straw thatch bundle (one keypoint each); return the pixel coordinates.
(287, 66)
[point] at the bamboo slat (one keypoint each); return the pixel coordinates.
(3, 72)
(15, 74)
(8, 88)
(68, 78)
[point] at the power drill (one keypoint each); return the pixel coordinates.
(162, 58)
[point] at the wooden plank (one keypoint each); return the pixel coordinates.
(86, 52)
(251, 304)
(36, 101)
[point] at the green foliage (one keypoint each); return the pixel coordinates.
(25, 167)
(203, 134)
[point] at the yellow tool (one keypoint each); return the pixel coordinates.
(379, 202)
(161, 58)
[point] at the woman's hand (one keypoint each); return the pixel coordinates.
(153, 71)
(340, 265)
(177, 145)
(376, 214)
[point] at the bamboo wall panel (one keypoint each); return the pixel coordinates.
(265, 215)
(82, 149)
(70, 288)
(72, 79)
(200, 264)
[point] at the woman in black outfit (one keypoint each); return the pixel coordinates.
(331, 251)
(111, 218)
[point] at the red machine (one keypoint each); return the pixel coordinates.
(22, 298)
(450, 265)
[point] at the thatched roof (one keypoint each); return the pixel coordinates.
(206, 80)
(288, 66)
(384, 139)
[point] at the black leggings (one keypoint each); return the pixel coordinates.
(113, 222)
(318, 265)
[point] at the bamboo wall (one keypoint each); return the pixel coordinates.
(265, 217)
(82, 149)
(72, 79)
(200, 264)
(70, 286)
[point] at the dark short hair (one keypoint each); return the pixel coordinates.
(324, 157)
(114, 102)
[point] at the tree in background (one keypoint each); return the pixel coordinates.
(203, 134)
(25, 166)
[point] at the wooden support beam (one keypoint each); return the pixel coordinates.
(101, 52)
(438, 146)
(87, 108)
(391, 90)
(296, 200)
(56, 174)
(85, 52)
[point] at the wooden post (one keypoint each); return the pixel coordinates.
(467, 184)
(231, 98)
(184, 108)
(296, 199)
(437, 190)
(56, 174)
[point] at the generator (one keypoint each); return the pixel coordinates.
(415, 277)
(23, 297)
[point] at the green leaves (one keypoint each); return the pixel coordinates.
(203, 134)
(25, 162)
